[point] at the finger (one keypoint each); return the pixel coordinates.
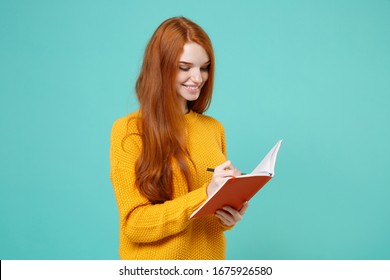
(233, 169)
(221, 176)
(228, 173)
(236, 215)
(225, 218)
(222, 219)
(244, 208)
(237, 172)
(224, 173)
(227, 169)
(226, 165)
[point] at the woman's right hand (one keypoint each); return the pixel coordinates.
(221, 173)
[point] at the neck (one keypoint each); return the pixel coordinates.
(184, 107)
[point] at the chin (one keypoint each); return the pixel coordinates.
(193, 97)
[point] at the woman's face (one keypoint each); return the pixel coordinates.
(193, 73)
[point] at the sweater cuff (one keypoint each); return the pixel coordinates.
(197, 198)
(225, 228)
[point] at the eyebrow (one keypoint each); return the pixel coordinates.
(189, 63)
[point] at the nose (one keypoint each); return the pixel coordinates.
(196, 76)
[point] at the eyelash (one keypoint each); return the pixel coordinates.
(204, 69)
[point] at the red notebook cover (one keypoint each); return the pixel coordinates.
(233, 193)
(236, 190)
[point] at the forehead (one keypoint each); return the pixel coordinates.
(194, 53)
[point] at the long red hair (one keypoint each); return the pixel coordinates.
(162, 122)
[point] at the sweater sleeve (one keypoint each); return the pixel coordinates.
(224, 151)
(140, 220)
(223, 141)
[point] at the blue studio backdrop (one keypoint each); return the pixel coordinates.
(313, 73)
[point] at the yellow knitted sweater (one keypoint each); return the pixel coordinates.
(164, 231)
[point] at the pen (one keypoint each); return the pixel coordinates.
(212, 170)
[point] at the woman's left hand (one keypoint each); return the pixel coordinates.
(230, 216)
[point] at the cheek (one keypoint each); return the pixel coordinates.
(205, 76)
(181, 78)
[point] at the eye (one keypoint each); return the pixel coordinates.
(205, 67)
(183, 68)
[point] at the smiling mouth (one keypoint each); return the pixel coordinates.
(191, 87)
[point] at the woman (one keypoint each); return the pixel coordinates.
(160, 153)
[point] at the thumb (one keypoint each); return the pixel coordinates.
(226, 165)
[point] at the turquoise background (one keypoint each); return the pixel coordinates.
(313, 73)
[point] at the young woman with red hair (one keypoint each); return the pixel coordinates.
(160, 153)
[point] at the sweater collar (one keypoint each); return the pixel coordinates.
(190, 117)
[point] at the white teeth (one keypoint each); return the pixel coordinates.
(192, 87)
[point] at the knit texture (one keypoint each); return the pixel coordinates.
(164, 231)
